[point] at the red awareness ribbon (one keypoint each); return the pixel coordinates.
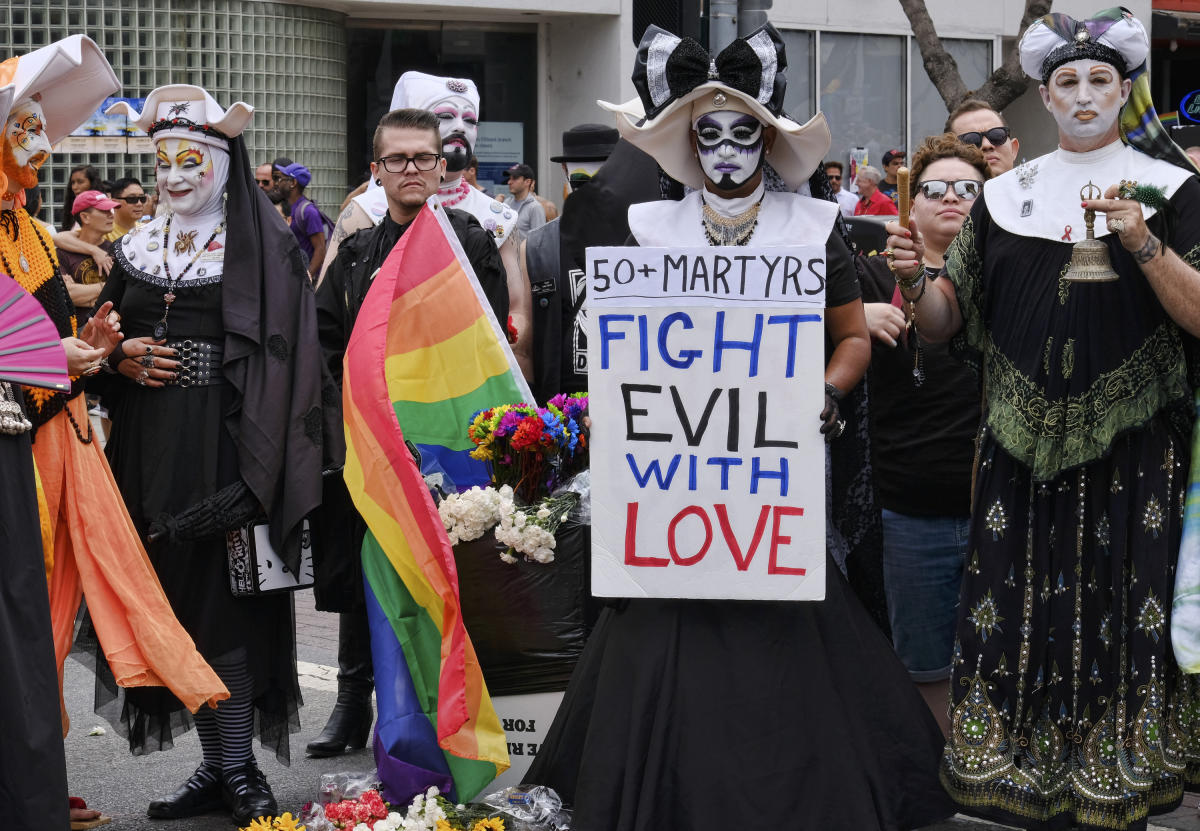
(1066, 233)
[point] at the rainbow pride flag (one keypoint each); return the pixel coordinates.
(425, 354)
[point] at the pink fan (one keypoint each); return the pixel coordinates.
(31, 351)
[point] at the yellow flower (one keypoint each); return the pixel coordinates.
(259, 824)
(490, 824)
(443, 825)
(288, 823)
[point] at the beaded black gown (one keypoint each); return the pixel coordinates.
(170, 448)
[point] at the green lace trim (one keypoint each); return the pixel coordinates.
(1050, 436)
(964, 268)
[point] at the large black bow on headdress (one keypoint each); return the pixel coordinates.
(669, 67)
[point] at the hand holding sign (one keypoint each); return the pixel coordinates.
(705, 484)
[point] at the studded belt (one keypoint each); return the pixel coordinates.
(199, 362)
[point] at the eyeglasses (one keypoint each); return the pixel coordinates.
(423, 162)
(963, 188)
(134, 200)
(995, 136)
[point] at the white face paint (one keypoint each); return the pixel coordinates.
(26, 147)
(730, 146)
(458, 123)
(191, 174)
(1085, 97)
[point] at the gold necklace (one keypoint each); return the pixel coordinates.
(730, 230)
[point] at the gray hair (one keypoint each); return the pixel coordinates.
(868, 172)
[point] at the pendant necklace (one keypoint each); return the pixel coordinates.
(184, 243)
(730, 230)
(453, 196)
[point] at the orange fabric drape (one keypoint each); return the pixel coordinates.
(97, 554)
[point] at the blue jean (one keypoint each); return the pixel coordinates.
(923, 560)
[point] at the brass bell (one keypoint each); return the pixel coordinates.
(1089, 258)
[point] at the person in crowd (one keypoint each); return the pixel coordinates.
(82, 177)
(218, 422)
(95, 214)
(976, 123)
(408, 161)
(455, 101)
(131, 206)
(554, 270)
(925, 410)
(96, 550)
(304, 217)
(471, 173)
(1067, 702)
(631, 745)
(893, 160)
(530, 213)
(847, 201)
(871, 202)
(262, 177)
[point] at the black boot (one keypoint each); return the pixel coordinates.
(200, 794)
(349, 724)
(247, 794)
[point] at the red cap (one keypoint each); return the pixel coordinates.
(92, 199)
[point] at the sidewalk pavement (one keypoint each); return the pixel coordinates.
(101, 770)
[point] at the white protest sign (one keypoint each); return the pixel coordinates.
(706, 380)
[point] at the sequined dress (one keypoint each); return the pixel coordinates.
(1067, 706)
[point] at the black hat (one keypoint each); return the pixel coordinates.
(522, 170)
(587, 143)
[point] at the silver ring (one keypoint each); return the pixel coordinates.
(141, 381)
(149, 350)
(142, 376)
(1117, 225)
(147, 360)
(840, 428)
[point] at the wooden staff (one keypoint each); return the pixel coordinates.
(904, 201)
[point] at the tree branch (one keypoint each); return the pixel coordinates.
(1009, 82)
(940, 65)
(1002, 87)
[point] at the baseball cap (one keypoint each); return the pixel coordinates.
(891, 155)
(92, 199)
(522, 170)
(296, 171)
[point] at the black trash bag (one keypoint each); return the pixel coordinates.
(527, 621)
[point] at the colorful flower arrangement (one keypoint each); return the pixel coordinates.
(284, 822)
(368, 812)
(530, 448)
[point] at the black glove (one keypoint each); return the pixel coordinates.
(231, 507)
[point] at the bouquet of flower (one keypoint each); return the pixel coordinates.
(285, 822)
(369, 812)
(530, 531)
(571, 410)
(471, 514)
(527, 447)
(432, 812)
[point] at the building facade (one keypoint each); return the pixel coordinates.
(320, 72)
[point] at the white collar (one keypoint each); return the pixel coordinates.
(784, 219)
(1040, 198)
(498, 219)
(736, 206)
(140, 251)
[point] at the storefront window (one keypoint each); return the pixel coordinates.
(798, 100)
(974, 58)
(862, 93)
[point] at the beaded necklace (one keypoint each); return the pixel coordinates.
(450, 198)
(730, 230)
(161, 328)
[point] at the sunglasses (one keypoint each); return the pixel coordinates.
(935, 189)
(134, 200)
(262, 183)
(995, 136)
(834, 177)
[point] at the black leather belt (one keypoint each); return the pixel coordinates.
(199, 362)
